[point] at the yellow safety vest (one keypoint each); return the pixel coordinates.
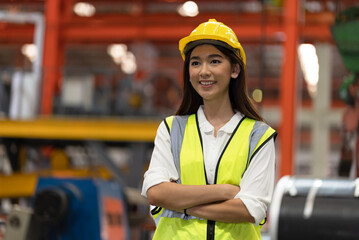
(247, 138)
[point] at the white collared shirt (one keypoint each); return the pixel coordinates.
(257, 183)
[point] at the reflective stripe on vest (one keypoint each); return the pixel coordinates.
(246, 140)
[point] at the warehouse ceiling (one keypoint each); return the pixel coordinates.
(145, 25)
(126, 6)
(157, 21)
(160, 21)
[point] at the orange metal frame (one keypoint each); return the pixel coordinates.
(288, 92)
(52, 55)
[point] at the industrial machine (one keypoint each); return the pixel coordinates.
(70, 209)
(305, 208)
(346, 24)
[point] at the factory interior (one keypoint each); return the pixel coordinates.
(84, 86)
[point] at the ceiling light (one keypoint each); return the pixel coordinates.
(188, 9)
(310, 66)
(30, 51)
(128, 64)
(121, 56)
(331, 6)
(313, 6)
(254, 7)
(117, 52)
(84, 9)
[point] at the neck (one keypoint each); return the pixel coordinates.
(218, 113)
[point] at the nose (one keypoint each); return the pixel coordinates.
(204, 71)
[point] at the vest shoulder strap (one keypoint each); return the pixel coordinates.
(260, 135)
(176, 126)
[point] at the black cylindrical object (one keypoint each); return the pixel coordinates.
(51, 205)
(304, 208)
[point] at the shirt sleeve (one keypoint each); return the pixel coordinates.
(257, 184)
(162, 167)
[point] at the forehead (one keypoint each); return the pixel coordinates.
(205, 50)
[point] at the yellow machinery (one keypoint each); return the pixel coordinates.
(47, 183)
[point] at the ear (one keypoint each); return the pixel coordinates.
(235, 70)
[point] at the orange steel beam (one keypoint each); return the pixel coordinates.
(67, 10)
(171, 18)
(103, 34)
(52, 53)
(288, 82)
(170, 27)
(77, 34)
(14, 33)
(318, 32)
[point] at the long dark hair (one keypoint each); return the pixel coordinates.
(238, 93)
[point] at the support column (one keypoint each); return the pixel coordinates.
(52, 53)
(287, 87)
(321, 124)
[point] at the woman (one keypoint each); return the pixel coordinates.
(213, 166)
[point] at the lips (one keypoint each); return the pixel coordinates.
(207, 83)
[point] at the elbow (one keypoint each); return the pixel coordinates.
(251, 219)
(152, 200)
(161, 196)
(152, 197)
(155, 198)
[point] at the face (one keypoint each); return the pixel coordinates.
(210, 72)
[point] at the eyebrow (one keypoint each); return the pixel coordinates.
(210, 56)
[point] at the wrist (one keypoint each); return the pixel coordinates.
(226, 192)
(185, 212)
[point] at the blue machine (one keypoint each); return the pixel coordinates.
(73, 209)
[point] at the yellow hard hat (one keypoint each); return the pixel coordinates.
(213, 30)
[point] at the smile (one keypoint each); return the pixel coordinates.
(206, 83)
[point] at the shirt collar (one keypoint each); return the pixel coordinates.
(229, 127)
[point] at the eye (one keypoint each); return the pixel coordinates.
(194, 63)
(215, 61)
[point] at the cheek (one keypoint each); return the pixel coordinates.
(192, 74)
(225, 75)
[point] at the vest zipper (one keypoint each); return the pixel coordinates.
(210, 229)
(212, 224)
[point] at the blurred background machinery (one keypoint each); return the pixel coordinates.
(307, 208)
(71, 209)
(84, 85)
(346, 23)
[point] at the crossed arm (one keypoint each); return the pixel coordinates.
(213, 202)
